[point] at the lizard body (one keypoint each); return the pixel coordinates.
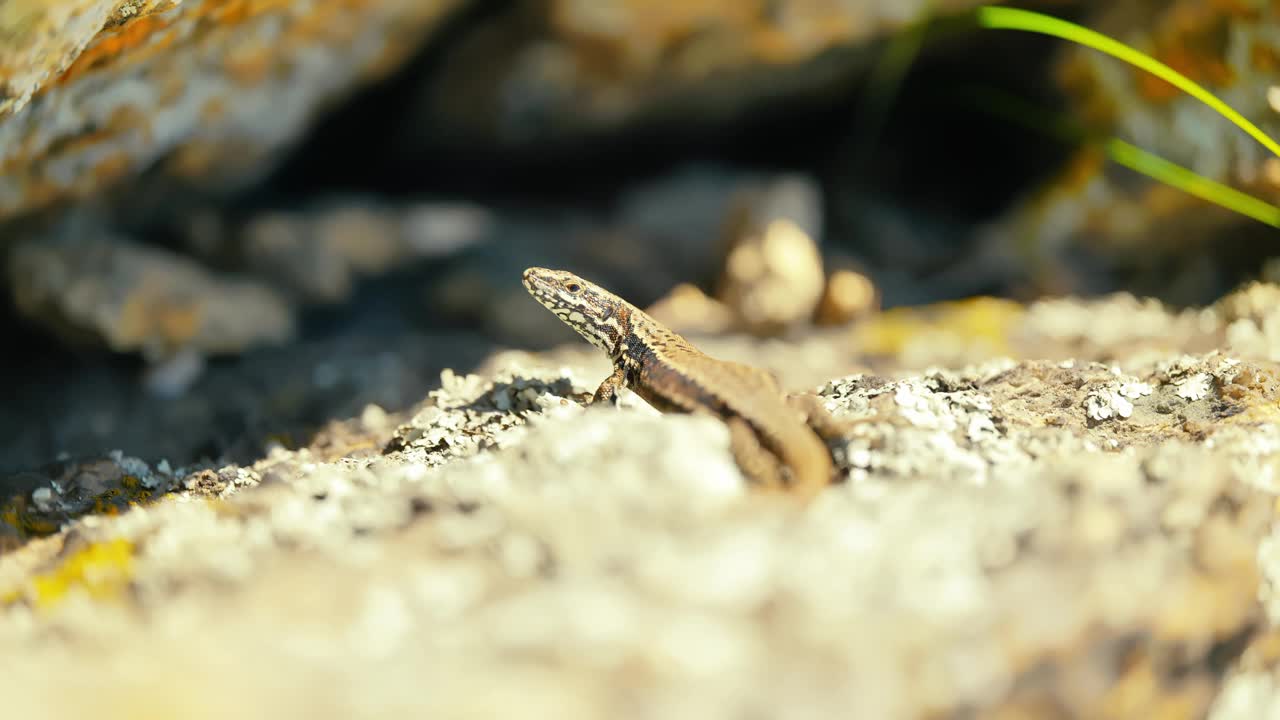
(772, 435)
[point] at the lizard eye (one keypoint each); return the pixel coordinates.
(573, 288)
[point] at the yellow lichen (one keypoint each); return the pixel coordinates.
(14, 513)
(101, 571)
(104, 503)
(978, 321)
(9, 516)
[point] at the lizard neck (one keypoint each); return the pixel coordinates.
(627, 315)
(644, 339)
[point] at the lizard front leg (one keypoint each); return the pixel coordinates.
(608, 390)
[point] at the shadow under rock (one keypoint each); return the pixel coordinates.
(65, 404)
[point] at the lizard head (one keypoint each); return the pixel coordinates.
(593, 312)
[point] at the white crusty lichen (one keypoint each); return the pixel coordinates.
(1114, 400)
(1193, 387)
(1192, 377)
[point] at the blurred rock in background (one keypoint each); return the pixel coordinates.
(249, 174)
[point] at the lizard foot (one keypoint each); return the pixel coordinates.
(827, 426)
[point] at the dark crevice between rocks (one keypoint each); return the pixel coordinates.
(928, 150)
(934, 153)
(939, 163)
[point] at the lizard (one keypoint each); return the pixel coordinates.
(777, 439)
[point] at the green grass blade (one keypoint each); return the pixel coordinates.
(1126, 154)
(1139, 160)
(1006, 18)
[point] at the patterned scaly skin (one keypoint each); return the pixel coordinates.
(775, 438)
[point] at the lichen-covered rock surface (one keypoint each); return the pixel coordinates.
(1014, 537)
(94, 91)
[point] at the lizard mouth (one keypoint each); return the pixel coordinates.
(536, 283)
(530, 279)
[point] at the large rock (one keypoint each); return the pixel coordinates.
(999, 549)
(135, 298)
(91, 92)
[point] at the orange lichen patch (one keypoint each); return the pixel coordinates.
(235, 12)
(172, 85)
(1082, 168)
(637, 35)
(112, 167)
(194, 159)
(390, 57)
(1264, 59)
(131, 494)
(113, 43)
(180, 323)
(1204, 70)
(42, 192)
(138, 38)
(117, 500)
(648, 22)
(250, 64)
(213, 110)
(1161, 200)
(330, 22)
(167, 45)
(127, 117)
(74, 144)
(773, 45)
(105, 503)
(981, 321)
(101, 571)
(1191, 38)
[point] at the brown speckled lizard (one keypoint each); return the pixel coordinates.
(776, 438)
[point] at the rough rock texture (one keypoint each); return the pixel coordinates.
(1013, 538)
(91, 92)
